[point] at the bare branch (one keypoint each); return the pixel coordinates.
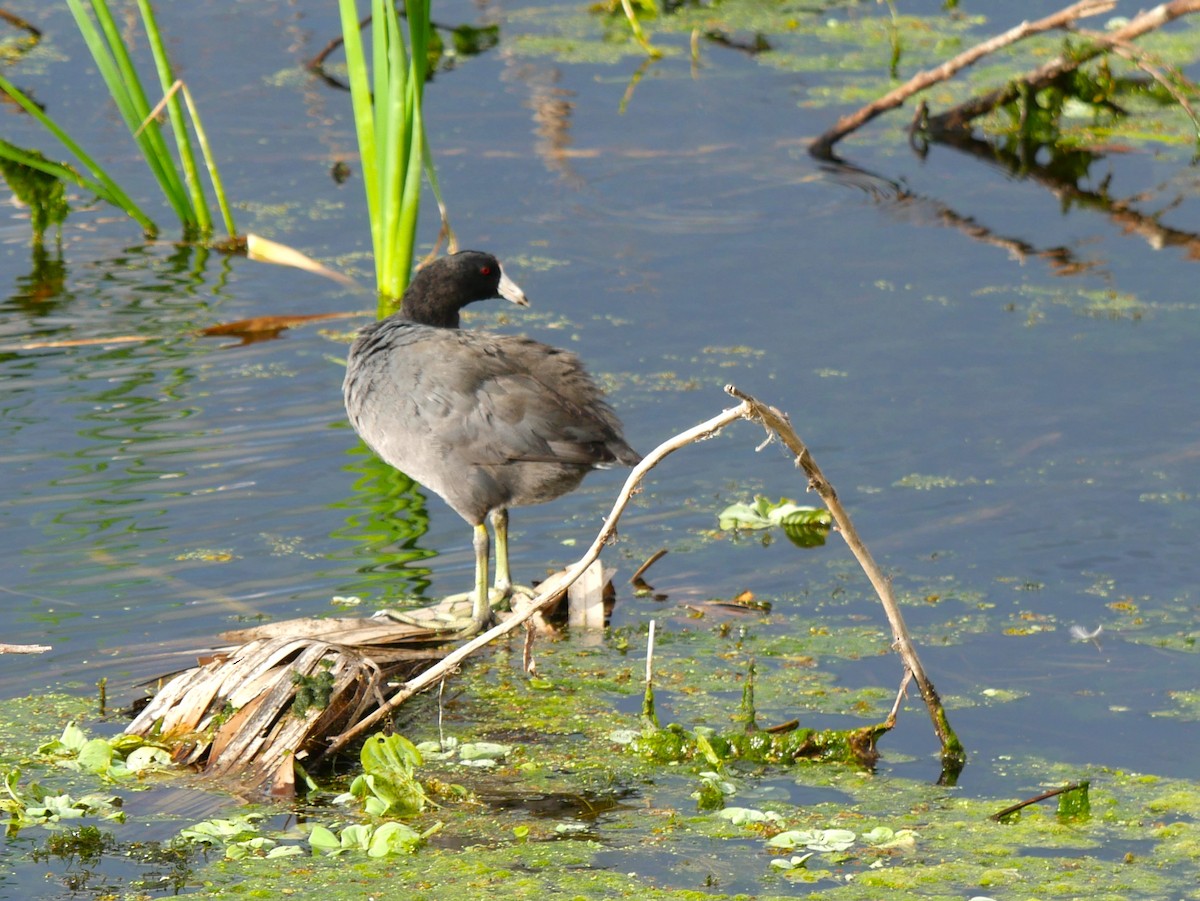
(777, 422)
(957, 118)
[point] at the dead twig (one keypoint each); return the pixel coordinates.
(17, 22)
(901, 694)
(1008, 811)
(822, 147)
(641, 570)
(24, 648)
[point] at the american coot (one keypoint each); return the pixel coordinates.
(486, 421)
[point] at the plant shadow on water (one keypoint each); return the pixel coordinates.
(1017, 446)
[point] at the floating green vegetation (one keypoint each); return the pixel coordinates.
(388, 784)
(921, 482)
(36, 188)
(1037, 303)
(34, 806)
(558, 806)
(804, 526)
(784, 745)
(119, 759)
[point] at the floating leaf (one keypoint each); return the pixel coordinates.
(814, 839)
(483, 750)
(223, 831)
(791, 863)
(322, 839)
(739, 816)
(886, 838)
(393, 838)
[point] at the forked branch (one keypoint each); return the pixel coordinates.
(822, 147)
(959, 117)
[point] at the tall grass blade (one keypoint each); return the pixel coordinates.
(394, 115)
(209, 161)
(183, 141)
(364, 124)
(391, 134)
(117, 69)
(410, 200)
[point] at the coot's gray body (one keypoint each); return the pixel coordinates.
(485, 421)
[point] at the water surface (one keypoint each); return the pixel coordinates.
(1017, 445)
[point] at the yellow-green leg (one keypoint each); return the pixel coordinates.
(500, 527)
(481, 609)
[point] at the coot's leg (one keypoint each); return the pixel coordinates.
(500, 527)
(481, 609)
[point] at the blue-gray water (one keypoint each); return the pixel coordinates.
(156, 493)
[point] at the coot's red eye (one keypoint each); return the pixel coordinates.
(485, 270)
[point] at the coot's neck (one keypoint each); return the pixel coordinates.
(417, 309)
(433, 298)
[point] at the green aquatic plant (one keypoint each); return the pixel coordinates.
(374, 841)
(388, 784)
(35, 806)
(387, 101)
(36, 188)
(117, 759)
(180, 184)
(179, 180)
(804, 526)
(784, 745)
(99, 182)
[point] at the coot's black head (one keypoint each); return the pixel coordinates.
(441, 288)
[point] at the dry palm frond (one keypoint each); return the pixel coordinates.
(287, 689)
(239, 713)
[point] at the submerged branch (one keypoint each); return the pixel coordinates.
(957, 118)
(1054, 792)
(822, 147)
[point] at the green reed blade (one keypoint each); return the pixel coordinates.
(364, 122)
(390, 128)
(209, 161)
(103, 184)
(116, 68)
(396, 113)
(183, 141)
